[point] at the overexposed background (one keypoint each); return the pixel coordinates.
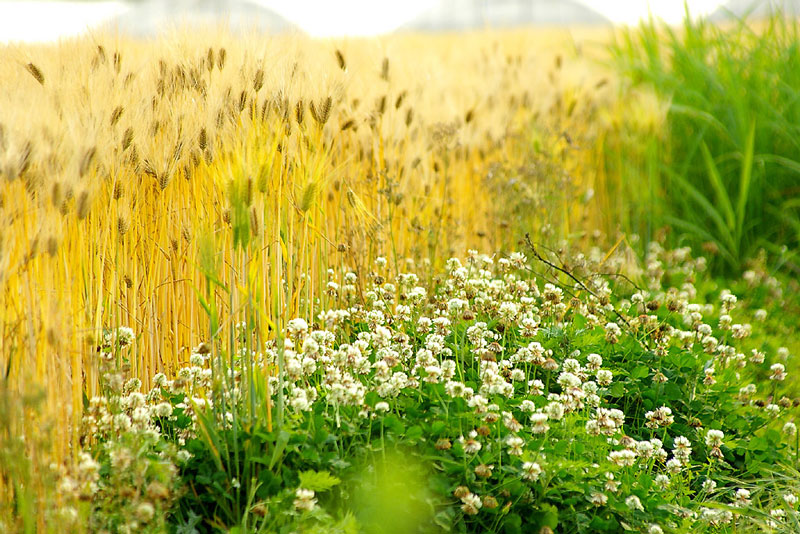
(40, 20)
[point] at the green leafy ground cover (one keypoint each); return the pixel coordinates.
(513, 394)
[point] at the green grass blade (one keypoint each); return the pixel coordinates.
(787, 163)
(745, 179)
(209, 435)
(701, 116)
(723, 199)
(724, 234)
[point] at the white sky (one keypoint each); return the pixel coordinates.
(38, 20)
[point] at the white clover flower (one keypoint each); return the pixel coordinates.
(539, 421)
(555, 411)
(456, 305)
(300, 400)
(571, 365)
(777, 513)
(634, 503)
(598, 499)
(531, 471)
(592, 428)
(87, 465)
(747, 390)
(132, 385)
(714, 438)
(433, 373)
(478, 402)
(604, 377)
(472, 446)
(662, 481)
(508, 312)
(682, 443)
(623, 458)
(452, 264)
(535, 387)
(611, 484)
(125, 336)
(471, 504)
(704, 330)
(728, 300)
(741, 497)
(715, 516)
(709, 485)
(442, 325)
(529, 326)
(790, 499)
(454, 389)
(709, 343)
(144, 512)
(659, 417)
(448, 369)
(568, 380)
(304, 500)
(517, 259)
(777, 372)
(515, 444)
(162, 409)
(122, 422)
(196, 359)
(297, 327)
(160, 380)
(741, 331)
(655, 529)
(613, 332)
(674, 466)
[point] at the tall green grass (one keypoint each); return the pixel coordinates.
(728, 168)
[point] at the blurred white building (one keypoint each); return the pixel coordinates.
(475, 14)
(755, 8)
(147, 18)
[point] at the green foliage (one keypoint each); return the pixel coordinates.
(18, 469)
(729, 163)
(317, 480)
(492, 402)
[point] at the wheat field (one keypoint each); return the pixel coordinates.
(142, 179)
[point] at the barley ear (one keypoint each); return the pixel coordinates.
(116, 115)
(35, 72)
(385, 69)
(258, 81)
(340, 60)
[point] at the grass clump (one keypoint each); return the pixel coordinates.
(723, 171)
